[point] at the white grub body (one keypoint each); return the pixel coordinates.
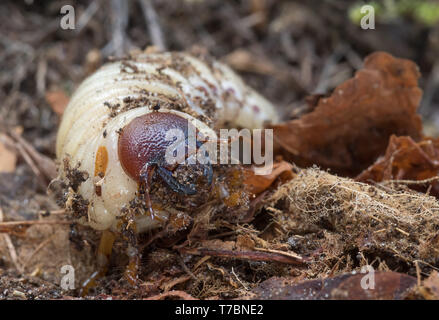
(202, 90)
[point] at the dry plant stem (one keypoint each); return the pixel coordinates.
(170, 284)
(87, 15)
(185, 268)
(119, 18)
(10, 225)
(268, 255)
(175, 293)
(154, 29)
(12, 251)
(52, 212)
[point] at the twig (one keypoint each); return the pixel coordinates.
(259, 255)
(46, 213)
(40, 246)
(41, 76)
(418, 272)
(411, 181)
(151, 20)
(239, 280)
(87, 15)
(185, 268)
(11, 248)
(6, 226)
(430, 90)
(120, 18)
(329, 68)
(170, 284)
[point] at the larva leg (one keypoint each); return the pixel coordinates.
(133, 268)
(103, 260)
(145, 178)
(207, 168)
(208, 172)
(146, 175)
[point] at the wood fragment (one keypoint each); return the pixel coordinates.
(175, 293)
(11, 247)
(9, 226)
(261, 255)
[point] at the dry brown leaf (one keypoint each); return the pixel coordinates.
(57, 100)
(349, 130)
(256, 184)
(245, 242)
(430, 287)
(406, 159)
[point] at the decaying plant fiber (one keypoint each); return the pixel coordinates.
(349, 216)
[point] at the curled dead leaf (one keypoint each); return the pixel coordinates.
(350, 129)
(256, 184)
(406, 159)
(430, 287)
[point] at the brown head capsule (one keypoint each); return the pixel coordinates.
(142, 148)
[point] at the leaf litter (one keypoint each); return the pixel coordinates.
(304, 226)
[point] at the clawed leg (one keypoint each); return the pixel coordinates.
(103, 261)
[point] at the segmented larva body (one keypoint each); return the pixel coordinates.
(201, 90)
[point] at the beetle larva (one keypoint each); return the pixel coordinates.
(120, 111)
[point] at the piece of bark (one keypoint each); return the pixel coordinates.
(388, 286)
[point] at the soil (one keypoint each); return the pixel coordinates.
(286, 50)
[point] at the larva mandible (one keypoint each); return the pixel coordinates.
(108, 115)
